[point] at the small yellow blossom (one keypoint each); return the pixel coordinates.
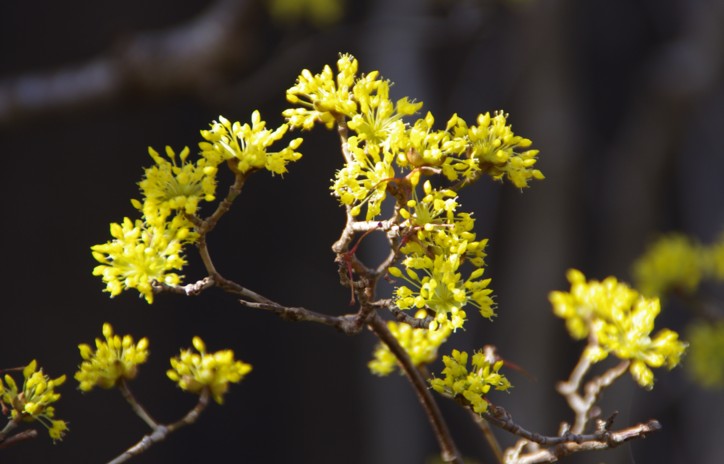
(246, 147)
(438, 242)
(472, 385)
(194, 372)
(420, 344)
(140, 254)
(33, 401)
(493, 149)
(171, 186)
(363, 180)
(705, 360)
(421, 145)
(114, 358)
(323, 97)
(618, 320)
(378, 117)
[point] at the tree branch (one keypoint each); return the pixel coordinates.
(6, 442)
(155, 62)
(160, 431)
(442, 433)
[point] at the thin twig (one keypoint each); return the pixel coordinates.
(581, 404)
(160, 431)
(7, 441)
(224, 205)
(192, 289)
(347, 323)
(135, 405)
(449, 451)
(488, 434)
(553, 454)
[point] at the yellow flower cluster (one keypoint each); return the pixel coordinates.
(195, 372)
(438, 242)
(470, 385)
(420, 344)
(383, 138)
(492, 148)
(33, 401)
(141, 253)
(169, 187)
(618, 320)
(705, 359)
(385, 154)
(114, 358)
(677, 262)
(150, 250)
(246, 146)
(674, 262)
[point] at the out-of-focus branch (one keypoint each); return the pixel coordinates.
(18, 437)
(188, 57)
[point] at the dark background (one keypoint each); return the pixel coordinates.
(624, 98)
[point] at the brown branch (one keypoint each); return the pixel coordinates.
(156, 61)
(348, 323)
(413, 322)
(192, 289)
(581, 404)
(207, 225)
(6, 442)
(160, 431)
(553, 454)
(442, 433)
(135, 405)
(488, 434)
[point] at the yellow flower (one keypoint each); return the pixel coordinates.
(246, 146)
(674, 262)
(493, 149)
(194, 372)
(588, 300)
(364, 178)
(420, 344)
(171, 186)
(471, 384)
(33, 401)
(114, 358)
(705, 360)
(438, 243)
(140, 254)
(322, 97)
(617, 320)
(378, 117)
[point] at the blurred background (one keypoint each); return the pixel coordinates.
(624, 98)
